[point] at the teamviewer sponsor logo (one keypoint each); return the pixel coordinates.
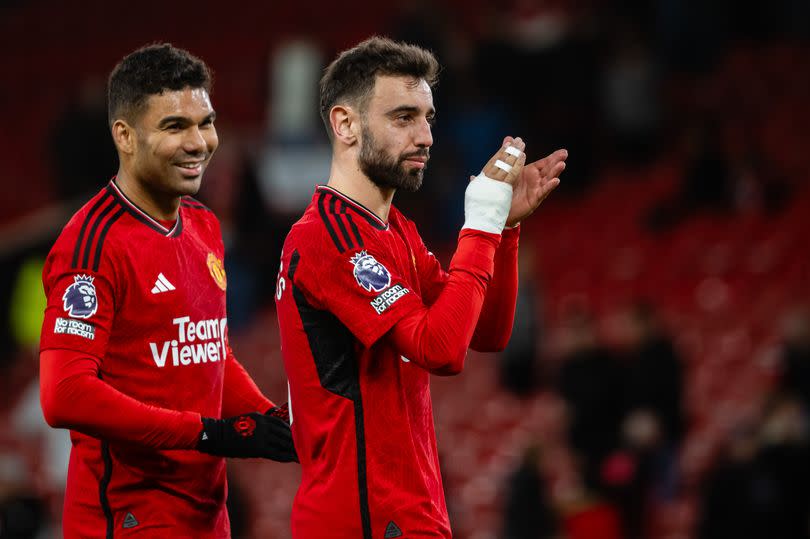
(388, 298)
(69, 326)
(197, 342)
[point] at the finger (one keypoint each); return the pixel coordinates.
(552, 160)
(501, 171)
(547, 188)
(517, 168)
(556, 170)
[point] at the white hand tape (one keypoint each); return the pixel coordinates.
(503, 165)
(486, 204)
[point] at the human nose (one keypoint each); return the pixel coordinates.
(194, 141)
(424, 134)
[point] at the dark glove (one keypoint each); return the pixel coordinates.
(252, 435)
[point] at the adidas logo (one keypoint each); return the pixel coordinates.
(392, 530)
(130, 521)
(204, 436)
(162, 284)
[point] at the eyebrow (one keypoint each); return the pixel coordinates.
(409, 108)
(184, 120)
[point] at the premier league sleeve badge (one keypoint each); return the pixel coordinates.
(370, 274)
(80, 300)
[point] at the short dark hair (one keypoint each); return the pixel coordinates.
(152, 70)
(352, 75)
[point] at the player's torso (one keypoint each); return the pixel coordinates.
(388, 462)
(168, 339)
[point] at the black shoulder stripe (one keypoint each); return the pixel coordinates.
(78, 248)
(91, 235)
(338, 218)
(357, 237)
(367, 216)
(189, 202)
(100, 244)
(329, 227)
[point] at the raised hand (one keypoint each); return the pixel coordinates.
(536, 181)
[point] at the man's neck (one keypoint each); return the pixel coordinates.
(355, 185)
(157, 207)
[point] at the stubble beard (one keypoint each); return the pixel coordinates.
(385, 171)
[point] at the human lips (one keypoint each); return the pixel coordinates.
(417, 160)
(191, 169)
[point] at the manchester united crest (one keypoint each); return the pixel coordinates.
(217, 270)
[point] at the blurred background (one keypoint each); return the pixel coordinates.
(657, 382)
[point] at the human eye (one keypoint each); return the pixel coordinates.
(404, 118)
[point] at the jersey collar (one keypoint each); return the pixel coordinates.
(366, 213)
(142, 216)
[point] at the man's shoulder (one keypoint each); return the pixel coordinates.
(309, 235)
(197, 209)
(194, 212)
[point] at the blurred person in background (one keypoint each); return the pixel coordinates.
(629, 96)
(135, 358)
(795, 354)
(653, 425)
(528, 511)
(706, 182)
(760, 484)
(591, 384)
(366, 311)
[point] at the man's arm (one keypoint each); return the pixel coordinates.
(437, 337)
(498, 312)
(536, 181)
(74, 397)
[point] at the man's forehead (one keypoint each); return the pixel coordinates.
(402, 90)
(180, 102)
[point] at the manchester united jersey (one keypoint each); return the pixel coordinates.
(148, 303)
(362, 413)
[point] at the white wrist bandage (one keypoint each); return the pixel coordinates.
(486, 204)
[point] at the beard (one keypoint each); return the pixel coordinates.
(387, 171)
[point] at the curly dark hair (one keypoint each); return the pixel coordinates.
(152, 70)
(350, 78)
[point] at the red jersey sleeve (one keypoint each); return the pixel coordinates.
(80, 305)
(494, 326)
(362, 287)
(437, 337)
(498, 313)
(74, 397)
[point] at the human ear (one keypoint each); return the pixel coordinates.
(343, 122)
(123, 135)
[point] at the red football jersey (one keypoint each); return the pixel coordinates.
(149, 304)
(362, 414)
